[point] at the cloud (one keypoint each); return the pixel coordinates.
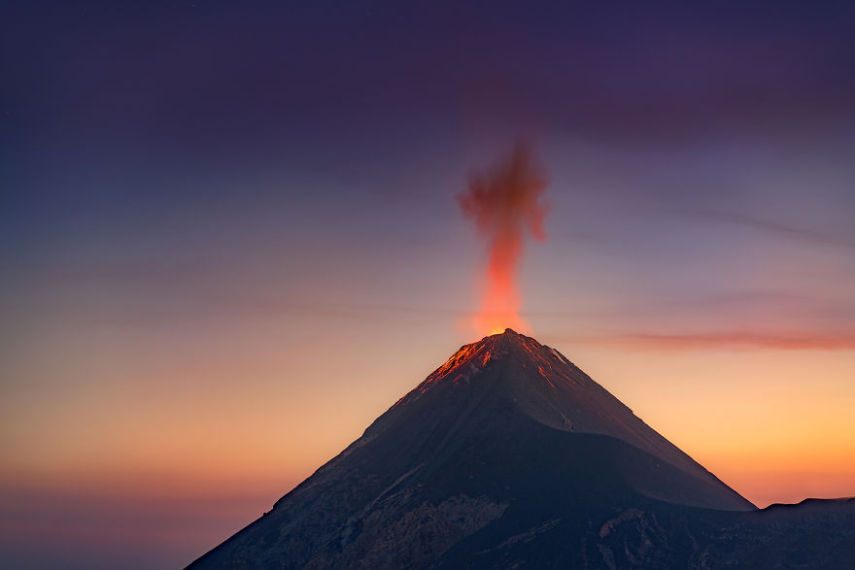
(721, 340)
(803, 234)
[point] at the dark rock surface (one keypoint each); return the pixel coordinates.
(509, 456)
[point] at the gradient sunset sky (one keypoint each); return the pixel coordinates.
(229, 240)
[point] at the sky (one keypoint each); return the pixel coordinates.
(230, 239)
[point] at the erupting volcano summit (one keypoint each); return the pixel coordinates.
(508, 455)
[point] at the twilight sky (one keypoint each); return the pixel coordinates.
(229, 240)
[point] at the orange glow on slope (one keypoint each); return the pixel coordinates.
(505, 204)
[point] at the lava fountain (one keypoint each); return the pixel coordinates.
(505, 204)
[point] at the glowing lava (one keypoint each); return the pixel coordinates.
(505, 205)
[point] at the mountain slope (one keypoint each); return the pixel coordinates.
(505, 445)
(539, 382)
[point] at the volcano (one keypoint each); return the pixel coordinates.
(510, 456)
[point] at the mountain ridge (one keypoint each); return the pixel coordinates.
(508, 455)
(550, 389)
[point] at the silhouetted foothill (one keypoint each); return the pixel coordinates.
(508, 456)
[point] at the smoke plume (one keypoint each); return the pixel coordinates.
(504, 203)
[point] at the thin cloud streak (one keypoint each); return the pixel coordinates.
(781, 229)
(719, 340)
